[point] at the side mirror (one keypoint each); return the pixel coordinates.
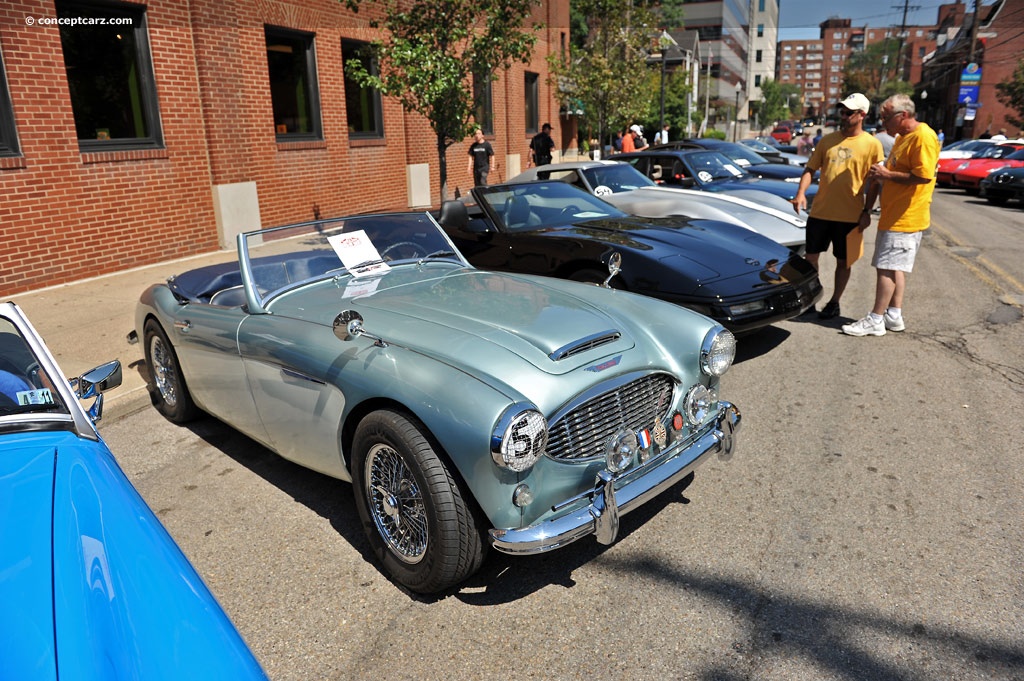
(94, 383)
(614, 267)
(349, 324)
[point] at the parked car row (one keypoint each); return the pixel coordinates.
(986, 171)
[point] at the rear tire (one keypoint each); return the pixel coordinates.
(416, 519)
(167, 384)
(998, 200)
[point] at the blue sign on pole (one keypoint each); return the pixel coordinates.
(971, 74)
(968, 94)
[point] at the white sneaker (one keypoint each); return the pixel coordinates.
(865, 327)
(893, 323)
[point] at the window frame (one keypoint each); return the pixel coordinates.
(150, 100)
(483, 103)
(531, 101)
(355, 49)
(316, 132)
(8, 130)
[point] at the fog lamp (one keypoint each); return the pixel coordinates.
(523, 496)
(698, 404)
(620, 451)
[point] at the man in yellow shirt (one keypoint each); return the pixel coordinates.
(907, 181)
(844, 158)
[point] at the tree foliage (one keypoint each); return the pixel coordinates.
(875, 71)
(607, 78)
(774, 107)
(432, 51)
(1011, 93)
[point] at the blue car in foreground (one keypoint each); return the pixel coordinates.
(92, 586)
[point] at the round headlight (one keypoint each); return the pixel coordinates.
(620, 451)
(717, 351)
(523, 441)
(698, 404)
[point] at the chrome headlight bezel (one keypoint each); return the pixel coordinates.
(520, 438)
(718, 351)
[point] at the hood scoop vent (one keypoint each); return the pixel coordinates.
(585, 344)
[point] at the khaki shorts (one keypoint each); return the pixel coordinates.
(896, 250)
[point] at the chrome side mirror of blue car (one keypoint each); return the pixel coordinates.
(94, 383)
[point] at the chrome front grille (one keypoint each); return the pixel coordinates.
(584, 431)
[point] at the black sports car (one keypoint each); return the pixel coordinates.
(743, 156)
(1002, 185)
(741, 279)
(710, 171)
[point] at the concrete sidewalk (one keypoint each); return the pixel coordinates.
(86, 324)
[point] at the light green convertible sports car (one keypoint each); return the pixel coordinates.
(469, 409)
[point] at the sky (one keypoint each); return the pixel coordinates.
(799, 19)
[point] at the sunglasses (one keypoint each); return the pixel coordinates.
(847, 112)
(893, 115)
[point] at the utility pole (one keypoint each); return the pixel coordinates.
(974, 33)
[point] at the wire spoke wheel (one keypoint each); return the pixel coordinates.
(396, 504)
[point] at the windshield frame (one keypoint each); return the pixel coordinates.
(488, 198)
(270, 268)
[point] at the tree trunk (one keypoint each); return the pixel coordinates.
(442, 166)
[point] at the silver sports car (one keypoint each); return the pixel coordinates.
(468, 408)
(631, 191)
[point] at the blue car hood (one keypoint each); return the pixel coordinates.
(26, 589)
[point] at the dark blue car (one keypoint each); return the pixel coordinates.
(743, 156)
(709, 171)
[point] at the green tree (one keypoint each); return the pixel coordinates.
(607, 78)
(432, 51)
(780, 101)
(875, 71)
(677, 87)
(1011, 93)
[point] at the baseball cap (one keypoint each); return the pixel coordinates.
(856, 102)
(637, 129)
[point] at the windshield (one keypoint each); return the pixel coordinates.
(998, 151)
(616, 179)
(741, 154)
(757, 145)
(25, 388)
(283, 258)
(709, 166)
(543, 204)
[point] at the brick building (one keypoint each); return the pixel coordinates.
(177, 124)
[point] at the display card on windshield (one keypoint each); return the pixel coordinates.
(358, 254)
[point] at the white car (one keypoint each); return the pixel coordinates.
(633, 192)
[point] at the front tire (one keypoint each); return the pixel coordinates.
(998, 200)
(167, 384)
(413, 512)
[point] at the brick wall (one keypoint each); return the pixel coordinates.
(67, 215)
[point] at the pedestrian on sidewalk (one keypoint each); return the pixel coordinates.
(844, 158)
(907, 182)
(481, 159)
(541, 147)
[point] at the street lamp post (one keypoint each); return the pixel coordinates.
(736, 118)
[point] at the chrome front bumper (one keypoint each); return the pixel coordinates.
(608, 502)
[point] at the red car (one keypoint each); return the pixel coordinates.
(970, 172)
(783, 133)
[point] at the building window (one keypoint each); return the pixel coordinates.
(110, 76)
(760, 30)
(8, 133)
(532, 100)
(483, 104)
(757, 56)
(760, 5)
(362, 103)
(291, 64)
(757, 81)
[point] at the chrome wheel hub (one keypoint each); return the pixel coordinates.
(396, 504)
(163, 371)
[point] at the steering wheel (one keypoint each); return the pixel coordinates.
(417, 250)
(569, 211)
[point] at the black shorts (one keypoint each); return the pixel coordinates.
(822, 233)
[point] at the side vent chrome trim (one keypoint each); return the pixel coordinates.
(584, 344)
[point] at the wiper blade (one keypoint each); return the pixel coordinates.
(436, 254)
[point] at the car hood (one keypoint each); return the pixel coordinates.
(26, 586)
(467, 315)
(705, 251)
(786, 190)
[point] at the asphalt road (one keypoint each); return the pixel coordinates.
(868, 528)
